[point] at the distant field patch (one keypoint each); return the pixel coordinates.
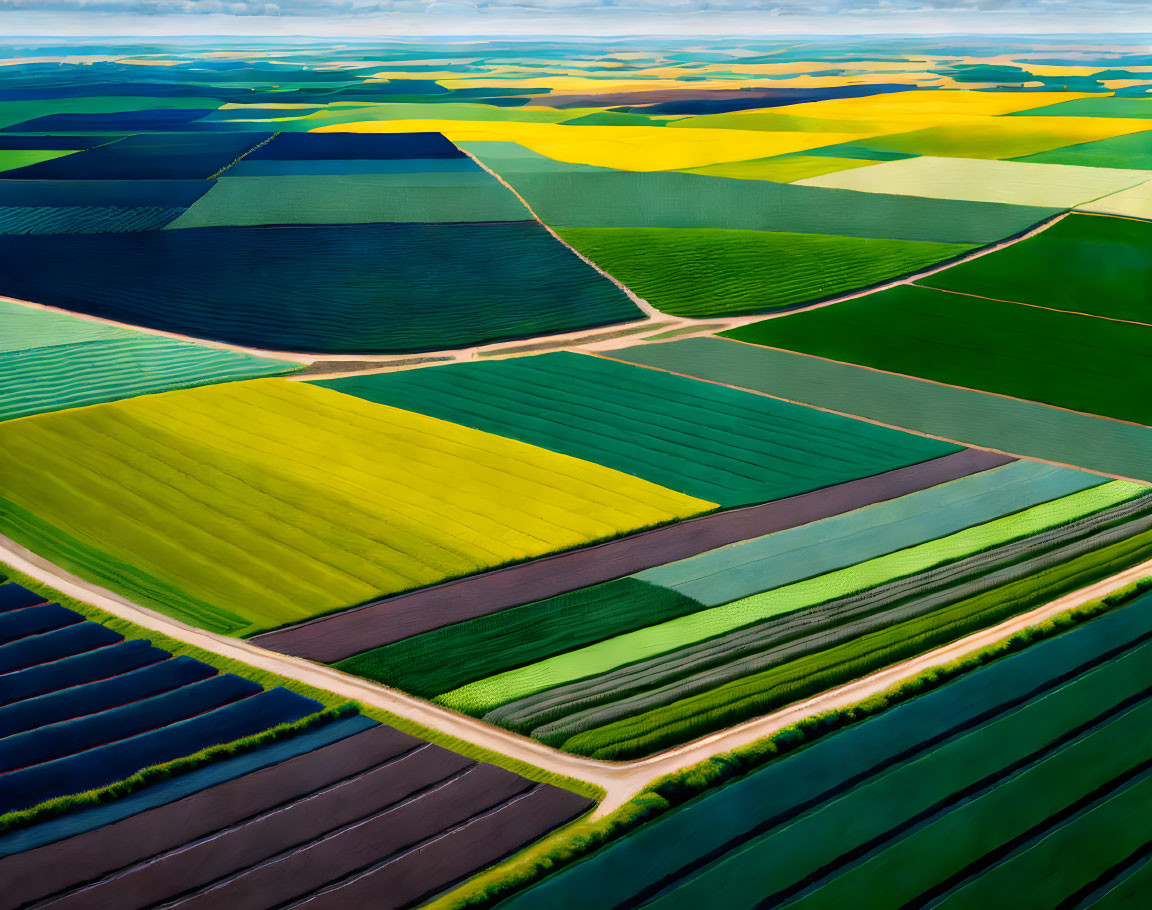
(1131, 151)
(1016, 182)
(113, 121)
(917, 107)
(159, 156)
(701, 273)
(125, 193)
(10, 159)
(355, 199)
(277, 167)
(88, 219)
(256, 504)
(1006, 137)
(640, 148)
(1096, 106)
(710, 442)
(1082, 263)
(1076, 362)
(351, 144)
(567, 196)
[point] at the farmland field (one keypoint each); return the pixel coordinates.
(303, 518)
(655, 659)
(961, 795)
(50, 361)
(993, 345)
(461, 473)
(706, 441)
(1004, 424)
(258, 780)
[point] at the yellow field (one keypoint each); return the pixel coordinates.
(248, 505)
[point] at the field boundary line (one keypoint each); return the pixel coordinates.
(947, 385)
(1035, 306)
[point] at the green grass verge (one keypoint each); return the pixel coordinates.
(709, 272)
(1091, 365)
(578, 840)
(331, 701)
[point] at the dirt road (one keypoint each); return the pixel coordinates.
(620, 780)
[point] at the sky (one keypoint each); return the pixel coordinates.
(571, 17)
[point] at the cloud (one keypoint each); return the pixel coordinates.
(543, 9)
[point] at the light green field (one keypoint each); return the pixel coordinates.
(246, 506)
(1005, 136)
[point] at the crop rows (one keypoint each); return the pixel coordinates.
(205, 789)
(314, 500)
(1001, 783)
(632, 666)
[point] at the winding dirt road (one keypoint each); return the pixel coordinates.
(620, 780)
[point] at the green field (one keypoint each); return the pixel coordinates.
(1006, 424)
(710, 442)
(1133, 150)
(1083, 264)
(705, 272)
(1021, 780)
(578, 196)
(1077, 362)
(50, 361)
(354, 199)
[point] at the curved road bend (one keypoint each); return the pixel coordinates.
(620, 780)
